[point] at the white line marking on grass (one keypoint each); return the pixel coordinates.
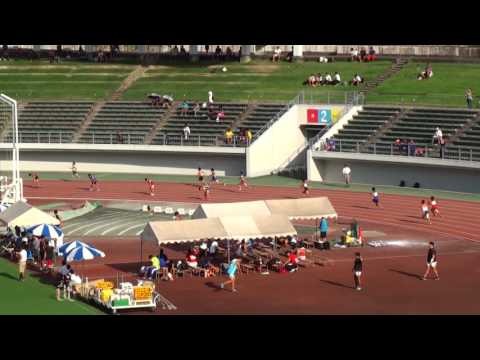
(131, 228)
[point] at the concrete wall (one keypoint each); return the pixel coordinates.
(461, 176)
(125, 161)
(276, 145)
(390, 50)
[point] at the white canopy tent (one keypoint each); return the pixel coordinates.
(306, 208)
(25, 215)
(221, 228)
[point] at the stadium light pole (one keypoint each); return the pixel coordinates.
(16, 181)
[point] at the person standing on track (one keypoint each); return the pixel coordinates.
(35, 178)
(74, 170)
(305, 187)
(243, 182)
(346, 171)
(232, 272)
(151, 186)
(426, 212)
(93, 182)
(434, 207)
(375, 197)
(357, 271)
(431, 262)
(200, 175)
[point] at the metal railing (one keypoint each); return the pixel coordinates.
(128, 139)
(346, 98)
(450, 152)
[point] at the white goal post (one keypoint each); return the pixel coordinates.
(12, 191)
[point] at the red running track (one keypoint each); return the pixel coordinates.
(460, 219)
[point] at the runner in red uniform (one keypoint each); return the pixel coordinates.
(243, 182)
(305, 187)
(151, 186)
(434, 207)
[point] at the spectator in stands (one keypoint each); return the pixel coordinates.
(196, 109)
(357, 80)
(242, 136)
(119, 137)
(249, 136)
(167, 101)
(210, 97)
(311, 81)
(184, 107)
(175, 50)
(336, 79)
(229, 52)
(211, 113)
(207, 48)
(229, 136)
(426, 74)
(183, 52)
(354, 55)
(437, 137)
(155, 99)
(289, 56)
(328, 79)
(218, 52)
(186, 131)
(442, 147)
(220, 115)
(412, 148)
(276, 54)
(363, 54)
(469, 96)
(371, 54)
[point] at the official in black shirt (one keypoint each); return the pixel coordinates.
(431, 262)
(357, 271)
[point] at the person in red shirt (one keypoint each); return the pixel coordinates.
(292, 263)
(434, 206)
(151, 186)
(191, 259)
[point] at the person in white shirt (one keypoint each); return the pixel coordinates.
(328, 79)
(354, 54)
(437, 138)
(347, 174)
(336, 79)
(22, 263)
(210, 97)
(276, 54)
(213, 248)
(186, 131)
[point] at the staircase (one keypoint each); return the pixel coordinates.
(88, 120)
(162, 121)
(464, 129)
(392, 121)
(131, 78)
(395, 69)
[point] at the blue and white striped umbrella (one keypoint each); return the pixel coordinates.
(83, 253)
(66, 248)
(49, 231)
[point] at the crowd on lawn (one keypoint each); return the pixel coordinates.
(315, 80)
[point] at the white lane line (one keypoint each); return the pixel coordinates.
(120, 226)
(82, 219)
(131, 228)
(108, 223)
(87, 225)
(139, 233)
